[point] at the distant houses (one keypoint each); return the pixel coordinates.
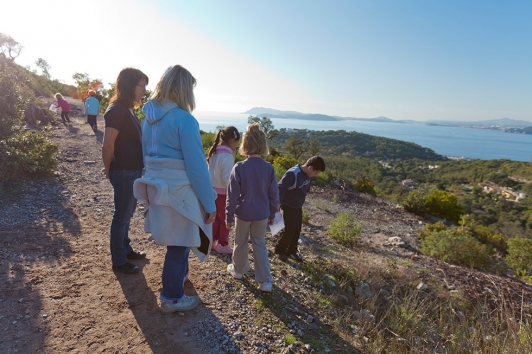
(506, 192)
(408, 183)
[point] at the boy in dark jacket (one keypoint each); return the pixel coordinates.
(293, 189)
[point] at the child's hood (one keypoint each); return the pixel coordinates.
(155, 111)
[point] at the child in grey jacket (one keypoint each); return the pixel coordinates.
(253, 198)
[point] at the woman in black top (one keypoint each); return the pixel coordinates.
(123, 163)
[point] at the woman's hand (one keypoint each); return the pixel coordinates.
(105, 172)
(210, 218)
(270, 221)
(229, 226)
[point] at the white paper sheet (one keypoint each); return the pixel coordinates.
(53, 108)
(278, 224)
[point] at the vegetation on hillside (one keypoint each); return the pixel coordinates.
(22, 152)
(343, 143)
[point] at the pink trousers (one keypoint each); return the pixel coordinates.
(219, 230)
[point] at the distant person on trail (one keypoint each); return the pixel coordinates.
(293, 189)
(122, 160)
(92, 109)
(221, 161)
(65, 107)
(253, 197)
(176, 186)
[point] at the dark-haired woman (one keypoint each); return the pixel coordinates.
(123, 162)
(221, 161)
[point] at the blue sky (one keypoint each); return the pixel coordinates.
(453, 60)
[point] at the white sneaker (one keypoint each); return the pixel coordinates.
(185, 304)
(266, 287)
(231, 270)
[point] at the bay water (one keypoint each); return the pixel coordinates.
(449, 141)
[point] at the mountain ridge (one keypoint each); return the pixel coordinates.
(274, 113)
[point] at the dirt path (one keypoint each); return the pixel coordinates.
(57, 290)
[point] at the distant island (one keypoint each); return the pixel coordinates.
(273, 113)
(505, 124)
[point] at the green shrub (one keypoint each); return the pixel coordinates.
(14, 99)
(285, 162)
(345, 229)
(321, 179)
(455, 248)
(207, 139)
(519, 256)
(26, 153)
(305, 217)
(443, 205)
(430, 228)
(365, 185)
(414, 203)
(485, 234)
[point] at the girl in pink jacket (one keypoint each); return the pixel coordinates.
(221, 161)
(65, 107)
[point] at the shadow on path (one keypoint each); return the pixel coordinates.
(178, 332)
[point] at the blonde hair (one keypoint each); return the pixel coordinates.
(176, 85)
(254, 141)
(58, 96)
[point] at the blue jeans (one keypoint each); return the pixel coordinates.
(125, 203)
(174, 270)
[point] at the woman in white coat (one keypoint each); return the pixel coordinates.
(176, 186)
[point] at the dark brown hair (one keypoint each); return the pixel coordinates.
(125, 85)
(223, 136)
(317, 163)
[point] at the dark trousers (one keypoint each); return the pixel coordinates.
(91, 119)
(289, 236)
(125, 204)
(64, 117)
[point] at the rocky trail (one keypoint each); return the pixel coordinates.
(58, 293)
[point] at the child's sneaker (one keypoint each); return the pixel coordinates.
(185, 304)
(266, 287)
(231, 270)
(223, 249)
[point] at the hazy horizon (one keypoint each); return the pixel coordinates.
(204, 112)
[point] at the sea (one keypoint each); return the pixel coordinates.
(457, 142)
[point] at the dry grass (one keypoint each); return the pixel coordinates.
(398, 318)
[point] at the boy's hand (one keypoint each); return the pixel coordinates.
(229, 225)
(270, 221)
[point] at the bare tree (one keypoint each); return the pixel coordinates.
(296, 147)
(266, 125)
(9, 47)
(44, 66)
(314, 148)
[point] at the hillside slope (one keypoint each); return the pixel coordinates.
(58, 292)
